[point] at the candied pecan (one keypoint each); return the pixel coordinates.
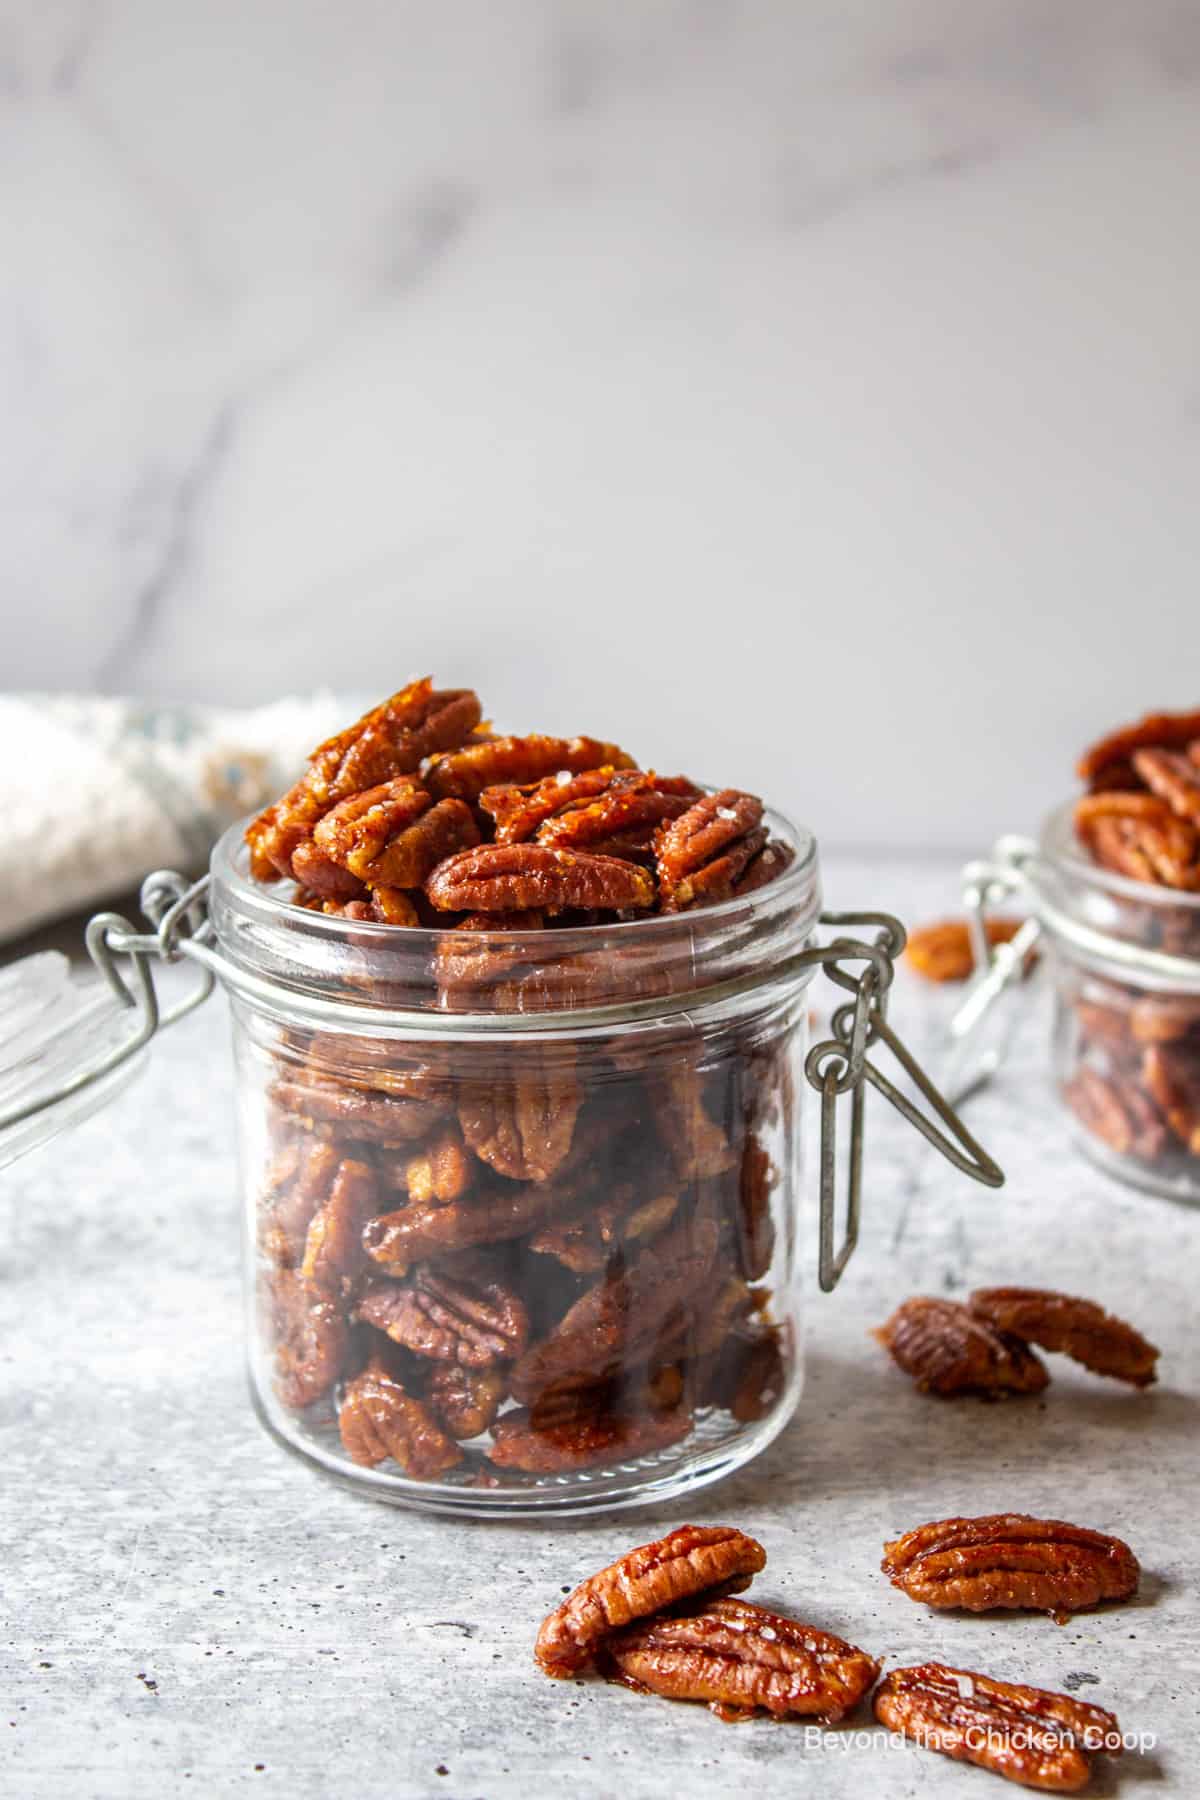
(311, 1340)
(485, 955)
(1171, 1072)
(440, 1172)
(373, 1117)
(499, 878)
(1138, 835)
(1162, 1018)
(619, 1320)
(522, 1127)
(740, 1658)
(318, 874)
(946, 1351)
(1079, 1328)
(703, 853)
(597, 1438)
(1098, 1023)
(298, 1179)
(1174, 778)
(692, 1560)
(394, 835)
(772, 861)
(466, 1400)
(333, 1252)
(451, 1318)
(465, 774)
(1028, 1735)
(943, 952)
(697, 1144)
(628, 812)
(390, 906)
(750, 1373)
(397, 1239)
(1165, 731)
(1125, 1118)
(755, 1226)
(379, 1419)
(585, 1237)
(1009, 1560)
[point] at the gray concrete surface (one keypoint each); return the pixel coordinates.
(188, 1610)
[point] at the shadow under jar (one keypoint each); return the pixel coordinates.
(521, 1207)
(1124, 960)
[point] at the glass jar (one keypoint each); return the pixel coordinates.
(522, 1206)
(1124, 960)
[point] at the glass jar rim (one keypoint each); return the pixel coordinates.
(290, 959)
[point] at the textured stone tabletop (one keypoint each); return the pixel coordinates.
(188, 1610)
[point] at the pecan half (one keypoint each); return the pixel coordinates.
(627, 812)
(513, 877)
(378, 1419)
(333, 1252)
(705, 851)
(439, 1173)
(600, 1224)
(1165, 731)
(466, 1400)
(465, 774)
(1079, 1328)
(741, 1658)
(692, 1560)
(522, 1127)
(317, 874)
(1174, 778)
(394, 835)
(601, 1437)
(755, 1226)
(482, 949)
(1121, 1115)
(1163, 1018)
(311, 1340)
(397, 1239)
(1171, 1072)
(1009, 1560)
(370, 1116)
(946, 1351)
(698, 1145)
(298, 1180)
(772, 861)
(450, 1318)
(1029, 1735)
(1138, 835)
(943, 952)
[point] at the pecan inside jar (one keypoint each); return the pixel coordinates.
(1007, 1561)
(1029, 1735)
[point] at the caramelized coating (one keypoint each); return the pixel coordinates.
(333, 1252)
(1123, 1117)
(476, 1322)
(702, 854)
(1138, 835)
(1164, 731)
(1028, 1735)
(378, 1420)
(739, 1659)
(505, 878)
(1174, 778)
(517, 1443)
(298, 1180)
(522, 1128)
(509, 760)
(690, 1561)
(1171, 1073)
(439, 1173)
(369, 1116)
(947, 1351)
(311, 1340)
(1010, 1561)
(396, 1240)
(394, 835)
(1079, 1328)
(943, 952)
(466, 1401)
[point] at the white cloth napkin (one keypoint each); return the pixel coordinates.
(94, 793)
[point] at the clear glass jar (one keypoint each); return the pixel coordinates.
(515, 1255)
(1124, 960)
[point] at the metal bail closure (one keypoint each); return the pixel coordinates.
(840, 1065)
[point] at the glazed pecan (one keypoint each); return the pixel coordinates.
(1174, 778)
(1079, 1328)
(705, 851)
(750, 1373)
(450, 1317)
(601, 1223)
(772, 861)
(370, 1116)
(394, 835)
(1138, 835)
(626, 814)
(692, 1560)
(1029, 1735)
(333, 1252)
(518, 1443)
(522, 1127)
(1164, 731)
(379, 1419)
(946, 1351)
(299, 1178)
(311, 1340)
(755, 1226)
(698, 1145)
(439, 1173)
(740, 1658)
(943, 952)
(466, 1400)
(505, 878)
(396, 1240)
(318, 875)
(465, 774)
(482, 949)
(1124, 1117)
(1009, 1560)
(1163, 1018)
(1171, 1073)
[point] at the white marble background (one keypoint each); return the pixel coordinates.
(807, 393)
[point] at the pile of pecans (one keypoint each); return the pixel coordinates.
(1135, 1082)
(661, 1620)
(542, 1257)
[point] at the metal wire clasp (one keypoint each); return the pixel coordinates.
(840, 1065)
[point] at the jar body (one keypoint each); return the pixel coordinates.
(511, 1262)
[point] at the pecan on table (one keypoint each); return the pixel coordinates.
(466, 1401)
(944, 952)
(947, 1351)
(692, 1560)
(741, 1658)
(465, 774)
(311, 1340)
(475, 1322)
(501, 878)
(1171, 1073)
(522, 1126)
(582, 1442)
(1029, 1735)
(1119, 1113)
(379, 1419)
(1009, 1560)
(701, 855)
(333, 1252)
(1079, 1328)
